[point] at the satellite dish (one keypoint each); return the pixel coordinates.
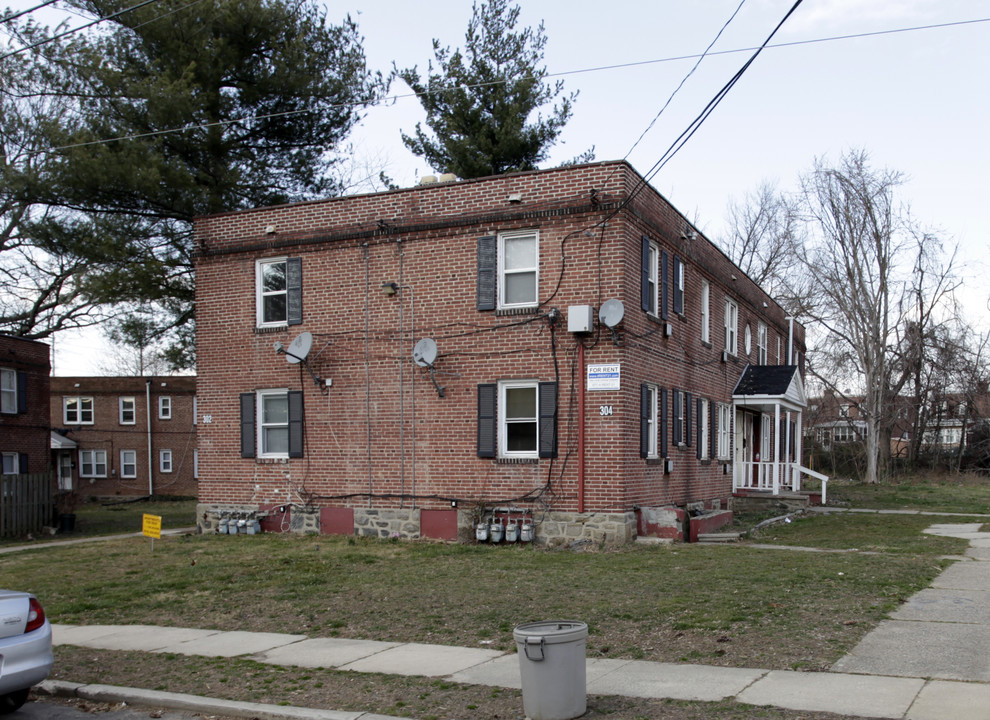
(425, 352)
(299, 348)
(611, 313)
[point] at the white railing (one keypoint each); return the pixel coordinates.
(774, 477)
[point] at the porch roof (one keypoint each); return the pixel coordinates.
(764, 386)
(61, 442)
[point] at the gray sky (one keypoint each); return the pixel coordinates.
(917, 101)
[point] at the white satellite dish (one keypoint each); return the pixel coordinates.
(611, 313)
(425, 352)
(299, 348)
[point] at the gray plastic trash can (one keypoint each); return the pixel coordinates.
(552, 666)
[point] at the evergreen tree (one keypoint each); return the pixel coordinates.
(480, 101)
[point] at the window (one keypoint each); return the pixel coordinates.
(518, 270)
(165, 407)
(678, 411)
(652, 289)
(766, 423)
(731, 326)
(8, 391)
(195, 464)
(10, 463)
(706, 330)
(92, 463)
(165, 461)
(844, 410)
(678, 286)
(77, 410)
(128, 463)
(761, 344)
(724, 431)
(748, 340)
(648, 417)
(128, 410)
(703, 430)
(272, 424)
(517, 419)
(279, 292)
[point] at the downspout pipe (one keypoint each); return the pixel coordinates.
(147, 412)
(581, 427)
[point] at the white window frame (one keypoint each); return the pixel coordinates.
(844, 410)
(706, 320)
(761, 343)
(83, 413)
(703, 434)
(653, 279)
(128, 459)
(748, 340)
(195, 464)
(261, 294)
(731, 327)
(127, 405)
(263, 427)
(653, 422)
(165, 461)
(766, 452)
(8, 391)
(680, 285)
(10, 463)
(165, 407)
(92, 463)
(724, 450)
(504, 272)
(504, 421)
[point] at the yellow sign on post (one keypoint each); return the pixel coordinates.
(152, 526)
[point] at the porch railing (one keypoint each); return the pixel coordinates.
(762, 475)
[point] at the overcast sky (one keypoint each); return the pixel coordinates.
(916, 100)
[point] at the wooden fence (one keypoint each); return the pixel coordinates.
(25, 503)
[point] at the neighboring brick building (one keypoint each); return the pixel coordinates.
(586, 344)
(24, 427)
(111, 432)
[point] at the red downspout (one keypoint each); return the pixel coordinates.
(581, 427)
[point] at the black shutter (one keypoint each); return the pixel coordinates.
(548, 420)
(487, 274)
(22, 400)
(293, 287)
(295, 424)
(687, 419)
(678, 292)
(22, 463)
(644, 421)
(713, 429)
(247, 425)
(663, 422)
(487, 435)
(701, 428)
(645, 300)
(678, 437)
(664, 284)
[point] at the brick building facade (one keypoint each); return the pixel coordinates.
(24, 426)
(107, 435)
(458, 363)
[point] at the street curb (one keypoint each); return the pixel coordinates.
(196, 703)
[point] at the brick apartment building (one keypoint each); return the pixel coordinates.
(556, 347)
(24, 426)
(107, 428)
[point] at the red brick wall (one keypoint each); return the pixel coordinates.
(27, 432)
(177, 434)
(362, 446)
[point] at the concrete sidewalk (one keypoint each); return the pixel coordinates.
(930, 661)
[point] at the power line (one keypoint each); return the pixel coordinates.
(14, 16)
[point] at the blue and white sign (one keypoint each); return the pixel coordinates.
(603, 377)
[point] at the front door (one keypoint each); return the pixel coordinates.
(65, 470)
(745, 442)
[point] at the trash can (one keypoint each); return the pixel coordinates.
(552, 666)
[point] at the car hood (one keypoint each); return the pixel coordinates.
(14, 608)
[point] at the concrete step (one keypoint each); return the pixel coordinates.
(726, 537)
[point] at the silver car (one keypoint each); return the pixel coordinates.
(25, 647)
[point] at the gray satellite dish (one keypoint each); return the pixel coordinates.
(611, 313)
(425, 352)
(299, 348)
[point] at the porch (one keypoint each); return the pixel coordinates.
(777, 478)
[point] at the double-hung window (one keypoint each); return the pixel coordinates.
(165, 461)
(703, 433)
(724, 431)
(651, 279)
(128, 410)
(128, 463)
(761, 344)
(10, 463)
(649, 415)
(272, 424)
(518, 271)
(8, 391)
(706, 324)
(77, 410)
(517, 420)
(165, 407)
(92, 463)
(679, 285)
(278, 293)
(731, 327)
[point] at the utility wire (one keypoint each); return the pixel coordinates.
(14, 16)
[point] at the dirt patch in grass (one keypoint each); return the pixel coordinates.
(415, 697)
